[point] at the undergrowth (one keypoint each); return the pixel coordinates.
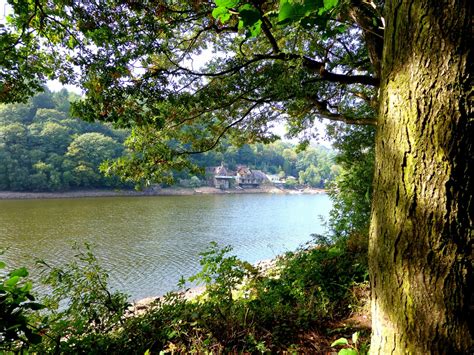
(290, 307)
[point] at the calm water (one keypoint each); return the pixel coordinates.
(147, 243)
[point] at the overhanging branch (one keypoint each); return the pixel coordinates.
(309, 63)
(349, 79)
(221, 134)
(324, 112)
(347, 120)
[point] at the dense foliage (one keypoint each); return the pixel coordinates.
(135, 64)
(351, 191)
(42, 148)
(17, 304)
(242, 309)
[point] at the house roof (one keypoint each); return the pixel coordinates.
(259, 174)
(245, 172)
(221, 170)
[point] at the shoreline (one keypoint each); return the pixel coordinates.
(144, 304)
(169, 191)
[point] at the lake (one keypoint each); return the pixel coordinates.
(147, 243)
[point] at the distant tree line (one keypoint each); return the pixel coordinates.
(313, 167)
(43, 148)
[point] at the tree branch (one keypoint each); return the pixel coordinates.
(349, 79)
(224, 105)
(266, 29)
(364, 16)
(308, 63)
(224, 131)
(347, 120)
(324, 112)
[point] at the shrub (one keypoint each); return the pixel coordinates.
(81, 308)
(243, 309)
(17, 304)
(195, 181)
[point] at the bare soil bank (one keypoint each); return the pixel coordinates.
(170, 191)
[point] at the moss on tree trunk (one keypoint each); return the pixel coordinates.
(422, 213)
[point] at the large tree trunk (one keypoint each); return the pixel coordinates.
(422, 215)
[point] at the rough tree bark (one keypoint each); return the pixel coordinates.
(422, 215)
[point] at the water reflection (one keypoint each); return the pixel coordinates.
(149, 242)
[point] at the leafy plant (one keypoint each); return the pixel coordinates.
(352, 347)
(243, 308)
(80, 303)
(221, 273)
(16, 306)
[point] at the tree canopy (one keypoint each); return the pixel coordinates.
(271, 61)
(42, 148)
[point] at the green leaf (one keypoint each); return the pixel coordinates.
(288, 12)
(340, 341)
(256, 28)
(222, 14)
(348, 352)
(330, 4)
(250, 20)
(2, 265)
(12, 281)
(226, 3)
(172, 334)
(294, 11)
(340, 28)
(249, 15)
(355, 337)
(21, 272)
(27, 287)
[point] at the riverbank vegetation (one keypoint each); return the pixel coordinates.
(44, 148)
(302, 303)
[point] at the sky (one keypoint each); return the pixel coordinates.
(4, 10)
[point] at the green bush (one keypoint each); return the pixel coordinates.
(81, 308)
(16, 306)
(243, 308)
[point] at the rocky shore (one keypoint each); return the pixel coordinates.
(170, 191)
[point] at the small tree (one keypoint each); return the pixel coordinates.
(195, 182)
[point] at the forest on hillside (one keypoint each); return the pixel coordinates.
(44, 148)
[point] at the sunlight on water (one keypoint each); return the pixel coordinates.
(147, 243)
